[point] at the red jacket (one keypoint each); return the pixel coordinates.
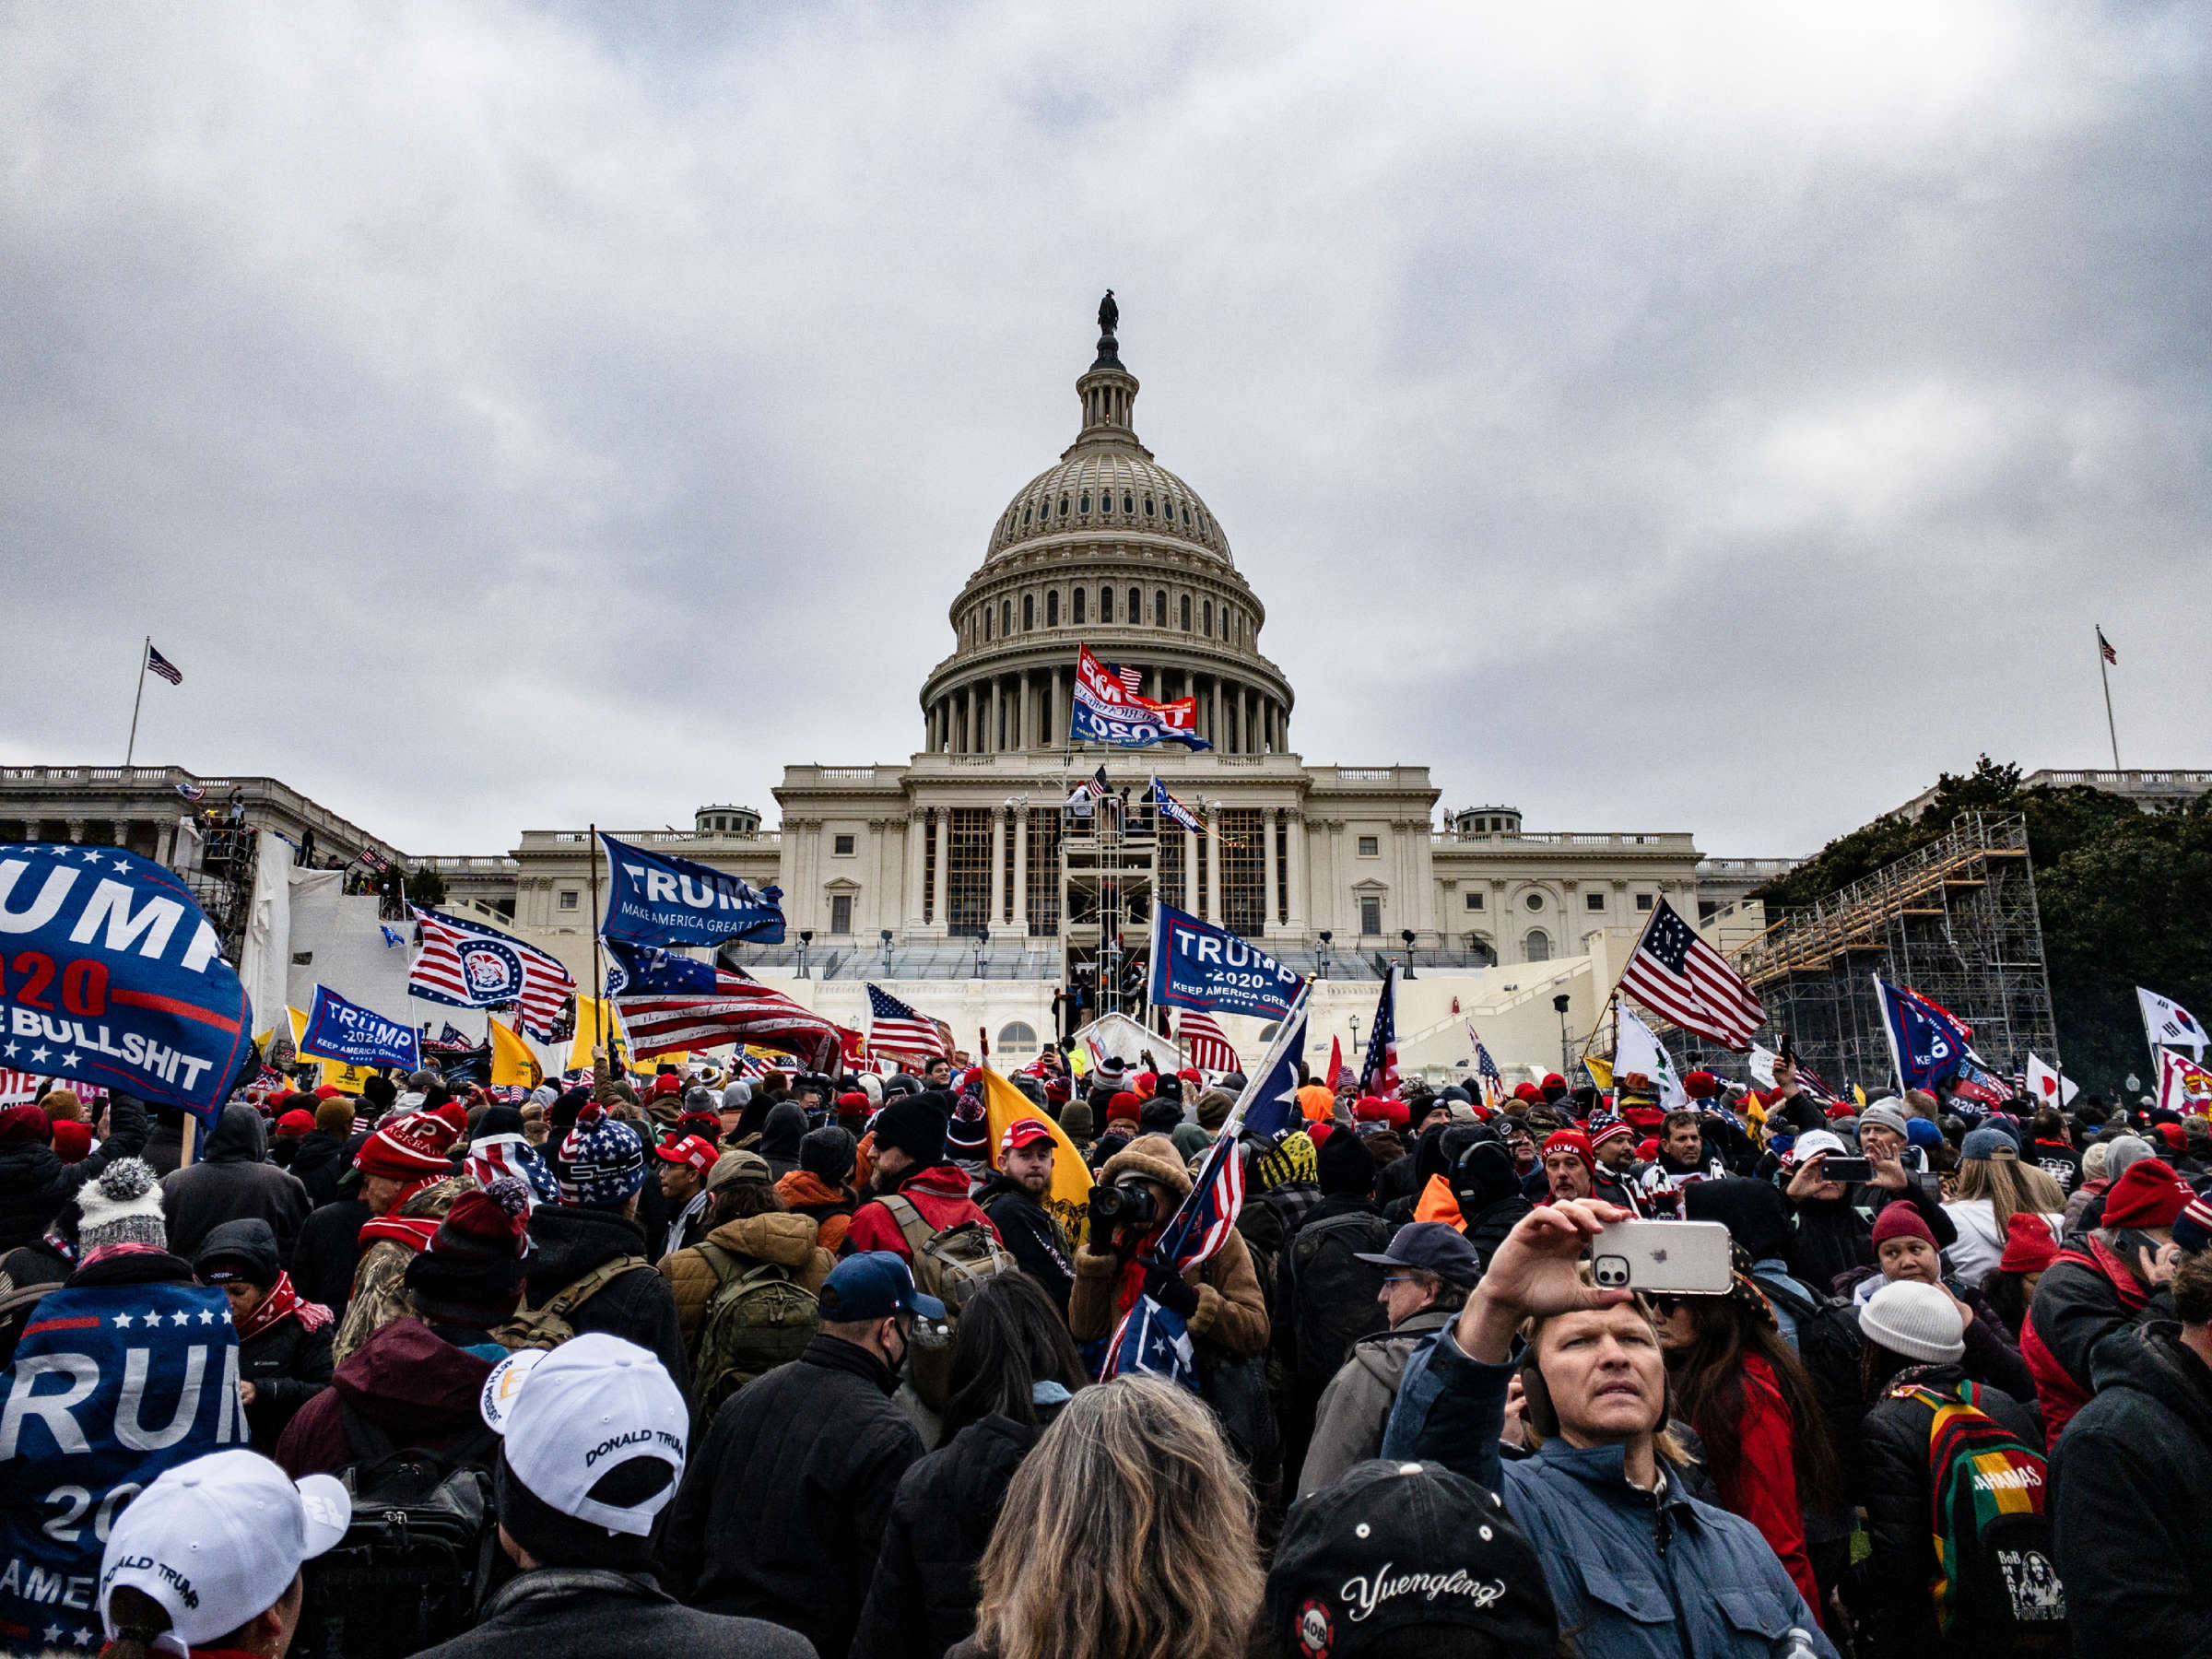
(940, 1193)
(1764, 1488)
(415, 1385)
(2085, 1295)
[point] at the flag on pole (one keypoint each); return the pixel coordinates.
(2184, 1086)
(2047, 1087)
(1637, 1049)
(673, 1004)
(1681, 977)
(1173, 810)
(1204, 1043)
(161, 666)
(1095, 786)
(1069, 1197)
(2166, 1021)
(468, 965)
(513, 1062)
(1335, 1063)
(392, 937)
(1133, 679)
(1927, 1044)
(2105, 645)
(895, 1029)
(1378, 1071)
(1485, 1068)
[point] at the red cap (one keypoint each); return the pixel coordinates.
(2148, 1194)
(1529, 1092)
(328, 1091)
(1122, 1108)
(1647, 1151)
(1023, 1132)
(2029, 1246)
(72, 1140)
(1700, 1085)
(2176, 1141)
(295, 1123)
(1372, 1109)
(667, 1083)
(695, 1150)
(1575, 1141)
(1553, 1080)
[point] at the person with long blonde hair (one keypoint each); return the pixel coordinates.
(1127, 1533)
(1993, 1184)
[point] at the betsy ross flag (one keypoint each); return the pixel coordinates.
(468, 965)
(1205, 1044)
(162, 666)
(1679, 976)
(1378, 1071)
(2105, 645)
(672, 1004)
(896, 1028)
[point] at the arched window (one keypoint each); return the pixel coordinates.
(1006, 618)
(1079, 599)
(1017, 1037)
(1128, 504)
(1028, 612)
(1160, 607)
(1026, 511)
(1105, 604)
(1084, 505)
(986, 622)
(1063, 506)
(1136, 606)
(1051, 608)
(1537, 947)
(1209, 619)
(1186, 613)
(1147, 506)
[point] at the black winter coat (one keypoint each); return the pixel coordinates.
(1832, 1237)
(565, 1243)
(35, 1184)
(924, 1596)
(288, 1364)
(318, 1162)
(587, 1612)
(1892, 1482)
(328, 1251)
(2135, 1542)
(781, 1514)
(1030, 1231)
(233, 1181)
(1487, 1228)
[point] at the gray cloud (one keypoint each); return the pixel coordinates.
(1699, 417)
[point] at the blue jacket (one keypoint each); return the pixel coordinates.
(1712, 1590)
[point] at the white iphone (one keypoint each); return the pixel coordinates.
(1662, 1258)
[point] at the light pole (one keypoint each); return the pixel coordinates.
(1355, 1037)
(1406, 934)
(1560, 1005)
(1322, 950)
(886, 936)
(982, 943)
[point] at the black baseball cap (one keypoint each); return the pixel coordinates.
(1435, 1247)
(1398, 1544)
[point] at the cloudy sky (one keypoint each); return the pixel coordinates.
(1703, 417)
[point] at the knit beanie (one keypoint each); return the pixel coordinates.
(1214, 1107)
(1886, 1114)
(25, 1123)
(2148, 1194)
(420, 1144)
(916, 1124)
(61, 1106)
(72, 1141)
(2126, 1149)
(1903, 1221)
(1918, 1321)
(1290, 1162)
(2192, 1227)
(602, 1162)
(826, 1154)
(968, 1138)
(121, 1204)
(1576, 1142)
(1315, 1103)
(471, 1272)
(1345, 1167)
(1158, 1117)
(1075, 1117)
(1123, 1107)
(2029, 1246)
(334, 1117)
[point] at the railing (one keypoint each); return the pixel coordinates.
(691, 838)
(2121, 778)
(1668, 840)
(259, 790)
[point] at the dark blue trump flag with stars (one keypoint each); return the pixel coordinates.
(110, 973)
(656, 899)
(111, 1385)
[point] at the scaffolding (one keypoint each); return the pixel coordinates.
(1956, 922)
(1108, 866)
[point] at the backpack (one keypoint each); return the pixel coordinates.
(417, 1558)
(759, 1318)
(947, 1265)
(1829, 1347)
(548, 1328)
(1995, 1583)
(1332, 1293)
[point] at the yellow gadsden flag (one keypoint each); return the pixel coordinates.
(513, 1063)
(594, 1023)
(1068, 1198)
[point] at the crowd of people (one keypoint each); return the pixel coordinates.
(693, 1362)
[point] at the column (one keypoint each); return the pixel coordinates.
(1213, 719)
(998, 862)
(1268, 923)
(1243, 724)
(76, 830)
(123, 832)
(1021, 710)
(944, 865)
(975, 724)
(1282, 729)
(1021, 865)
(1213, 866)
(1055, 729)
(915, 817)
(1300, 920)
(1189, 871)
(998, 714)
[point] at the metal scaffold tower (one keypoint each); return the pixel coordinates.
(1957, 921)
(1108, 860)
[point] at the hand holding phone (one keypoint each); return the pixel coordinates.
(1662, 1258)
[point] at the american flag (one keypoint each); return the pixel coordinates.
(2105, 645)
(1133, 679)
(467, 965)
(162, 666)
(1205, 1044)
(1095, 786)
(1378, 1071)
(1485, 1067)
(898, 1030)
(1681, 977)
(673, 1004)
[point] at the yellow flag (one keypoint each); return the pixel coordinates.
(1859, 1095)
(513, 1063)
(594, 1024)
(345, 1078)
(1068, 1198)
(1601, 1071)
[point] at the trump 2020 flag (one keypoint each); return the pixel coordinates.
(1197, 965)
(339, 1029)
(656, 899)
(1927, 1043)
(111, 974)
(1106, 710)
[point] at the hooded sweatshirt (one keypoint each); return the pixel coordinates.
(233, 1181)
(407, 1380)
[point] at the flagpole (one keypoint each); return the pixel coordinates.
(2104, 672)
(598, 965)
(132, 748)
(1882, 1007)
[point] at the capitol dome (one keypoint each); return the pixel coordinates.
(1107, 548)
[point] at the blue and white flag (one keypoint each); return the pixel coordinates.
(656, 899)
(1154, 1342)
(391, 935)
(111, 1385)
(1927, 1043)
(1173, 811)
(337, 1029)
(110, 974)
(1197, 965)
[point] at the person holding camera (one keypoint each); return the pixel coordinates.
(1635, 1564)
(1137, 1192)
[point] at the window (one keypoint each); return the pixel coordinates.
(1371, 915)
(1084, 505)
(1026, 511)
(1159, 600)
(986, 622)
(1186, 613)
(1052, 608)
(841, 913)
(1474, 902)
(1028, 612)
(1063, 506)
(1128, 503)
(1105, 604)
(1537, 947)
(1535, 901)
(1643, 901)
(1017, 1037)
(1080, 598)
(1006, 616)
(1147, 506)
(841, 846)
(1371, 846)
(1209, 619)
(1136, 606)
(568, 899)
(1595, 902)
(1243, 892)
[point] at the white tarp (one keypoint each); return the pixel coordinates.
(1122, 1037)
(264, 955)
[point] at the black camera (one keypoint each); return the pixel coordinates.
(1128, 1203)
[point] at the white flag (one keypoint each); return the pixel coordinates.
(2046, 1086)
(1760, 1065)
(2166, 1021)
(1638, 1051)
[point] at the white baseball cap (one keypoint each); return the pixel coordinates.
(1813, 1143)
(218, 1540)
(569, 1414)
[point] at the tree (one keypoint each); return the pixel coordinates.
(425, 886)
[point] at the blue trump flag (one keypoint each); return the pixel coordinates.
(111, 1385)
(1197, 965)
(656, 899)
(1928, 1045)
(337, 1029)
(111, 974)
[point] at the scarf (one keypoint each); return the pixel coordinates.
(414, 1231)
(284, 1302)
